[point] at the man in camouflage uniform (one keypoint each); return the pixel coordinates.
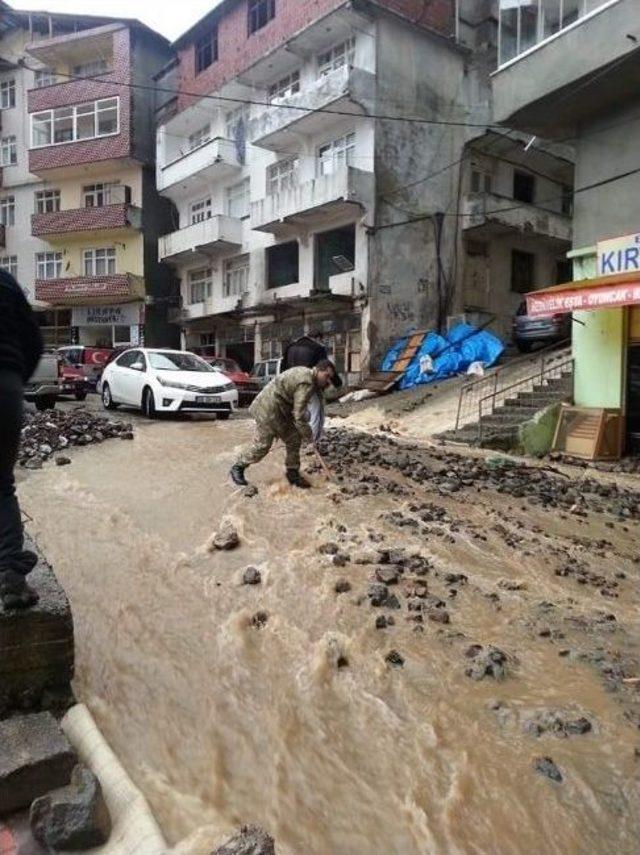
(280, 412)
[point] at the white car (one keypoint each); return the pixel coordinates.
(166, 381)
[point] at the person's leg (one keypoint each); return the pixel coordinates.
(261, 443)
(293, 442)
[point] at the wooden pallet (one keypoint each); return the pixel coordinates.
(384, 381)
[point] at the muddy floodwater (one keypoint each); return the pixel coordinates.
(287, 703)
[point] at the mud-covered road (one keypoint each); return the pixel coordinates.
(437, 653)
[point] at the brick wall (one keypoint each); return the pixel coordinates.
(83, 287)
(81, 91)
(80, 220)
(237, 51)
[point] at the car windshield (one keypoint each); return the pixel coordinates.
(178, 362)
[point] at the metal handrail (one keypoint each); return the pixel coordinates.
(474, 387)
(538, 377)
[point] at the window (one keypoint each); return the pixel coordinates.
(335, 154)
(206, 50)
(10, 264)
(285, 87)
(524, 187)
(7, 94)
(200, 285)
(200, 211)
(199, 137)
(260, 13)
(564, 271)
(45, 77)
(282, 176)
(235, 119)
(98, 195)
(238, 199)
(129, 358)
(523, 265)
(282, 264)
(99, 262)
(8, 211)
(47, 201)
(91, 69)
(81, 122)
(48, 265)
(338, 57)
(8, 151)
(236, 276)
(480, 181)
(567, 200)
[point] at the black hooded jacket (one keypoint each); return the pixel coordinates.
(20, 337)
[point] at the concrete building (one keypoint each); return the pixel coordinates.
(77, 193)
(570, 72)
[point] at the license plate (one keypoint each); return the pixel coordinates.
(208, 399)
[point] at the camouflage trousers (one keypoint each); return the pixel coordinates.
(263, 438)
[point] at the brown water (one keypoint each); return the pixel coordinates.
(221, 723)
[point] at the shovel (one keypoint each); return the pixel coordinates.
(328, 473)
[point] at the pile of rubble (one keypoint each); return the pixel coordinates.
(50, 432)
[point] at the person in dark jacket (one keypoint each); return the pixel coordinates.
(20, 352)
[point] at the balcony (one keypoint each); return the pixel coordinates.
(483, 216)
(212, 306)
(113, 218)
(345, 90)
(547, 91)
(90, 290)
(201, 240)
(212, 161)
(346, 192)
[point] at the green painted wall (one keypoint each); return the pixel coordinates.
(599, 345)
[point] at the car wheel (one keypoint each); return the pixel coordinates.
(223, 416)
(107, 400)
(148, 404)
(45, 403)
(81, 396)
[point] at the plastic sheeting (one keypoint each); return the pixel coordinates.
(440, 357)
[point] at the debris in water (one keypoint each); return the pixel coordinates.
(63, 461)
(394, 658)
(250, 491)
(251, 576)
(491, 663)
(546, 766)
(45, 433)
(259, 619)
(226, 537)
(251, 840)
(342, 586)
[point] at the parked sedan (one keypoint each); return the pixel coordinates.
(167, 381)
(529, 331)
(247, 387)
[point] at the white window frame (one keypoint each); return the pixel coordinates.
(200, 137)
(93, 259)
(284, 88)
(48, 265)
(336, 153)
(101, 190)
(44, 77)
(7, 210)
(10, 264)
(282, 175)
(236, 276)
(75, 112)
(238, 198)
(200, 285)
(47, 201)
(8, 151)
(338, 56)
(200, 211)
(7, 94)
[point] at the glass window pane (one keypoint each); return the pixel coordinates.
(550, 10)
(508, 34)
(107, 121)
(85, 126)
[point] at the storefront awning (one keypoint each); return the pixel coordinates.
(584, 295)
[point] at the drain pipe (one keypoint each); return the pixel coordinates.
(134, 828)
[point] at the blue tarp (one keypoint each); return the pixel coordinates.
(445, 356)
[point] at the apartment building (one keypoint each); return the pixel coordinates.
(278, 158)
(78, 202)
(569, 71)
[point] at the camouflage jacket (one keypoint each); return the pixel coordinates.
(282, 404)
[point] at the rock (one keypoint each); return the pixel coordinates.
(392, 602)
(364, 556)
(259, 619)
(63, 461)
(439, 616)
(339, 559)
(378, 594)
(250, 491)
(546, 766)
(342, 586)
(33, 463)
(328, 549)
(251, 576)
(394, 659)
(381, 622)
(578, 726)
(251, 840)
(36, 757)
(226, 537)
(486, 663)
(387, 575)
(74, 818)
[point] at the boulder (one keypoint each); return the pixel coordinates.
(36, 757)
(251, 840)
(226, 537)
(73, 818)
(251, 576)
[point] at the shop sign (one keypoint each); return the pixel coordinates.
(583, 299)
(125, 315)
(619, 255)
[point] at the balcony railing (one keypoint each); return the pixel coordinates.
(216, 233)
(213, 160)
(78, 290)
(346, 191)
(489, 214)
(104, 218)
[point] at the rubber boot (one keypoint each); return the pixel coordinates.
(237, 475)
(296, 479)
(14, 591)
